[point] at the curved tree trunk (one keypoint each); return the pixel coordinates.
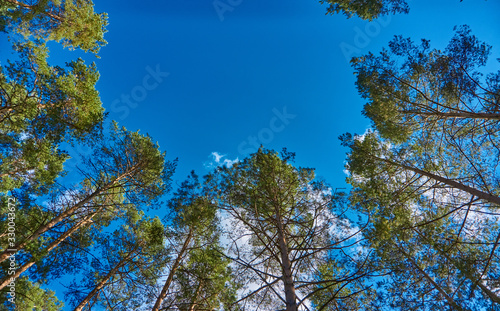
(171, 274)
(460, 115)
(103, 282)
(194, 302)
(51, 246)
(450, 182)
(24, 5)
(44, 228)
(431, 280)
(475, 280)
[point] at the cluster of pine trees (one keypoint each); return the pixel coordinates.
(262, 234)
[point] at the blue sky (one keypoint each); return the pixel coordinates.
(273, 72)
(230, 71)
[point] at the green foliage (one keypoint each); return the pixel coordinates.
(155, 233)
(420, 179)
(31, 297)
(366, 9)
(132, 161)
(47, 100)
(199, 277)
(334, 295)
(192, 209)
(428, 176)
(58, 225)
(73, 23)
(81, 27)
(412, 87)
(128, 268)
(280, 229)
(205, 280)
(41, 107)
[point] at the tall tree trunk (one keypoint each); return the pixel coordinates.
(431, 280)
(104, 281)
(290, 296)
(24, 5)
(194, 303)
(171, 274)
(51, 246)
(450, 182)
(461, 115)
(475, 280)
(44, 228)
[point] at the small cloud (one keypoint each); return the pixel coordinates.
(217, 156)
(230, 163)
(218, 159)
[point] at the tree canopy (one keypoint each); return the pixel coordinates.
(427, 174)
(366, 9)
(288, 231)
(418, 229)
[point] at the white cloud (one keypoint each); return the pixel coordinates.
(218, 159)
(217, 156)
(230, 163)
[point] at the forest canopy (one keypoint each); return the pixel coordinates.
(416, 229)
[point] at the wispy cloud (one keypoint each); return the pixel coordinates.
(218, 159)
(217, 156)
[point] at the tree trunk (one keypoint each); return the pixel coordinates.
(104, 281)
(194, 303)
(461, 115)
(24, 5)
(477, 193)
(290, 296)
(52, 245)
(468, 275)
(431, 280)
(171, 274)
(44, 228)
